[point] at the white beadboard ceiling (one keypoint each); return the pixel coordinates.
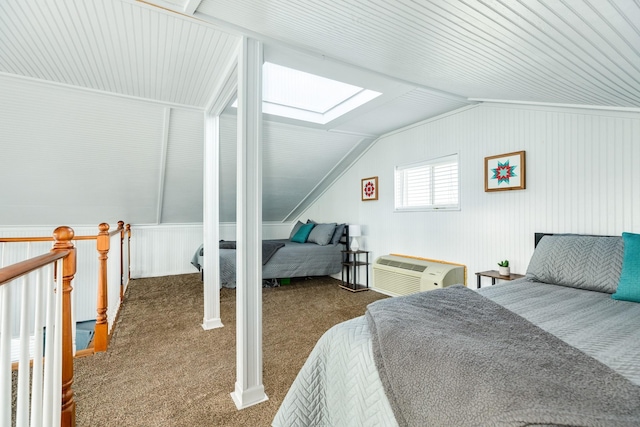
(123, 84)
(114, 46)
(560, 51)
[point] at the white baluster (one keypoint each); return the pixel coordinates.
(47, 390)
(5, 354)
(57, 357)
(22, 406)
(36, 388)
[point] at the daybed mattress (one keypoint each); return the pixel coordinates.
(339, 383)
(292, 260)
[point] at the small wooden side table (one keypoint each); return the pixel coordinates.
(495, 275)
(350, 266)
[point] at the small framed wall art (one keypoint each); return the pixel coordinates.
(505, 172)
(369, 188)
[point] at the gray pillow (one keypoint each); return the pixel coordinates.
(338, 234)
(586, 262)
(295, 229)
(322, 234)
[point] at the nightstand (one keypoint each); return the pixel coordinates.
(495, 275)
(352, 261)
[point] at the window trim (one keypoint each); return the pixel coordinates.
(428, 163)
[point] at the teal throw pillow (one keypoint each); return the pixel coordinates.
(303, 233)
(295, 229)
(629, 284)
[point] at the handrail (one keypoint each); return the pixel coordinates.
(25, 239)
(12, 272)
(50, 239)
(40, 239)
(101, 331)
(63, 249)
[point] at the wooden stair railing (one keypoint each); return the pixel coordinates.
(63, 249)
(103, 245)
(101, 337)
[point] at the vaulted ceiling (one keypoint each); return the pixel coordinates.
(427, 57)
(557, 51)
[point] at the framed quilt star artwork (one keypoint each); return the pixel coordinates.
(505, 172)
(369, 188)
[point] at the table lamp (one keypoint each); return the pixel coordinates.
(354, 233)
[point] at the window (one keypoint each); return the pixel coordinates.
(428, 185)
(302, 96)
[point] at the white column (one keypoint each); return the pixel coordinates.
(222, 96)
(210, 222)
(249, 389)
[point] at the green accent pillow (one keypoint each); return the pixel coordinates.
(303, 233)
(629, 284)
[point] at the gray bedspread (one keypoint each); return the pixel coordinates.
(493, 366)
(269, 248)
(289, 259)
(339, 384)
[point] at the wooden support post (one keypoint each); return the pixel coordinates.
(62, 237)
(101, 335)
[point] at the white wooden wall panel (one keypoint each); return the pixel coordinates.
(296, 159)
(581, 178)
(70, 142)
(164, 250)
(182, 201)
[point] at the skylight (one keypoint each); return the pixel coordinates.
(303, 96)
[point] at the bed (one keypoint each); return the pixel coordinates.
(553, 348)
(317, 251)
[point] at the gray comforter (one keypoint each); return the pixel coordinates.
(339, 384)
(495, 367)
(269, 248)
(289, 259)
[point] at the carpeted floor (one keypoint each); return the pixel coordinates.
(163, 369)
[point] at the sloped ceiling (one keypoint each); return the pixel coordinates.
(559, 51)
(114, 46)
(428, 57)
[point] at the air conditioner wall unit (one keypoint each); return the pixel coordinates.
(399, 275)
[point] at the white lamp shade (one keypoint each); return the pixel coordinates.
(354, 230)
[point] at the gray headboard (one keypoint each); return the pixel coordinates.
(538, 236)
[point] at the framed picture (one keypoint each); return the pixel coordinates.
(505, 172)
(369, 188)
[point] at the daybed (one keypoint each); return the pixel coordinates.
(553, 348)
(317, 251)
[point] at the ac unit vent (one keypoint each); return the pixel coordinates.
(397, 275)
(405, 265)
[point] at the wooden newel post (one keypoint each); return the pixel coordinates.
(101, 336)
(62, 241)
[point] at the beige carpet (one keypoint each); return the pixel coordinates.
(163, 369)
